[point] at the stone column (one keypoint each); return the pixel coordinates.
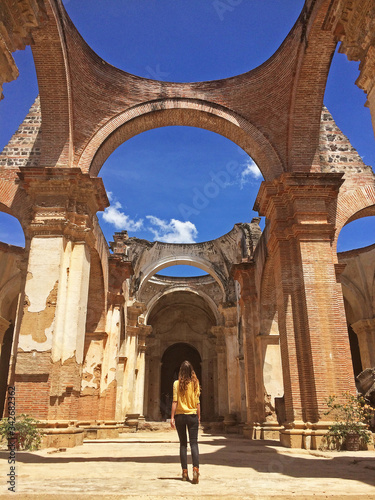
(134, 310)
(144, 331)
(365, 330)
(232, 358)
(63, 203)
(222, 375)
(314, 340)
(153, 379)
(113, 370)
(108, 382)
(244, 274)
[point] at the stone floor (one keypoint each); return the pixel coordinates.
(145, 465)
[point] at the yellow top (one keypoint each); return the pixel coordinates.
(186, 403)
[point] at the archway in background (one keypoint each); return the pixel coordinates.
(356, 253)
(171, 362)
(195, 261)
(12, 241)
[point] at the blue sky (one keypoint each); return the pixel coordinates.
(182, 184)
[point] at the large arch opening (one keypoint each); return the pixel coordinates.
(179, 184)
(170, 365)
(182, 328)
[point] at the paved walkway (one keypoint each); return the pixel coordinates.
(145, 465)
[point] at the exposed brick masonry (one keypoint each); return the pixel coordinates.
(23, 150)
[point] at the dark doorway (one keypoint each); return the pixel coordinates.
(171, 362)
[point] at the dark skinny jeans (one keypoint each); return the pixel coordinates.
(191, 422)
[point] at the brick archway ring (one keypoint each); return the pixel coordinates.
(354, 205)
(180, 260)
(183, 112)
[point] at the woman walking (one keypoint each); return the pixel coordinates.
(186, 413)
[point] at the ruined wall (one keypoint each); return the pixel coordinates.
(23, 149)
(338, 155)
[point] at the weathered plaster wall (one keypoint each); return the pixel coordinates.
(41, 294)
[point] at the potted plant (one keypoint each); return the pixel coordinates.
(352, 415)
(21, 433)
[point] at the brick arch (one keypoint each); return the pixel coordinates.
(272, 111)
(354, 205)
(14, 201)
(184, 112)
(174, 260)
(51, 60)
(315, 52)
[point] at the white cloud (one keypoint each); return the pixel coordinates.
(110, 195)
(174, 231)
(251, 170)
(113, 215)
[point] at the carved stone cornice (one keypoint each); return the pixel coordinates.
(244, 273)
(230, 315)
(364, 327)
(115, 299)
(300, 205)
(134, 312)
(218, 332)
(143, 332)
(64, 201)
(120, 269)
(96, 335)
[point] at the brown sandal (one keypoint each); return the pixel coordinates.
(195, 475)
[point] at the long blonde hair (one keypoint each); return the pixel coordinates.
(187, 375)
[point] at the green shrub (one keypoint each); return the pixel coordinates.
(24, 429)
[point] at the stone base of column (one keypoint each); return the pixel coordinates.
(269, 430)
(248, 431)
(106, 429)
(231, 424)
(132, 421)
(141, 423)
(61, 435)
(306, 435)
(266, 430)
